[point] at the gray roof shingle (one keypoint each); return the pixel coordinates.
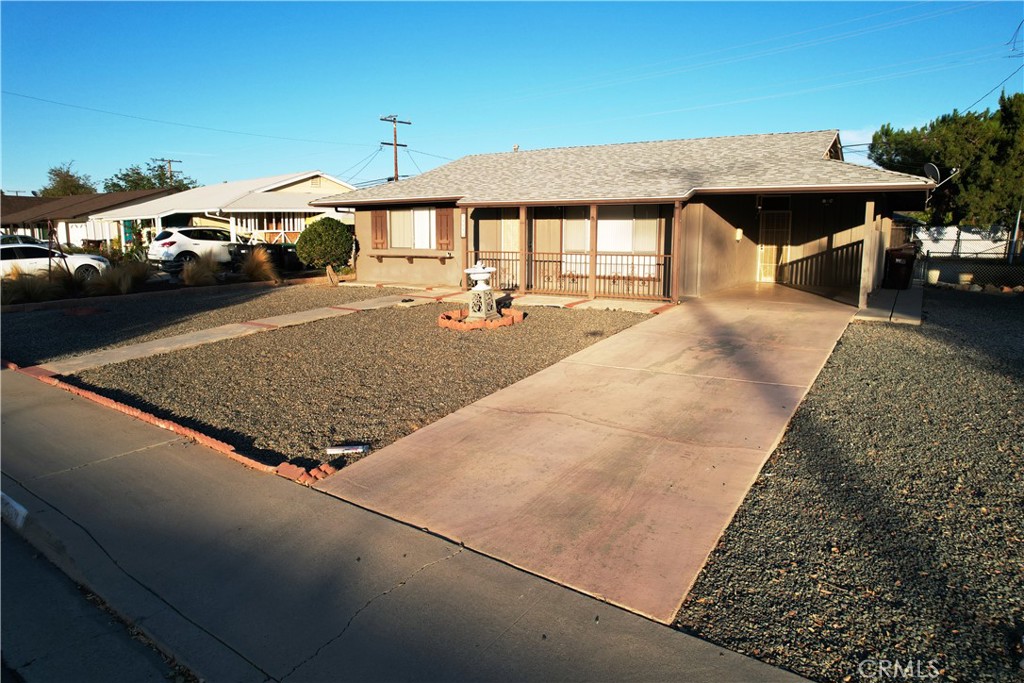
(664, 170)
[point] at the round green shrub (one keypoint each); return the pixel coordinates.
(325, 242)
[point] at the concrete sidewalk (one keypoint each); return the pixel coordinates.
(616, 470)
(245, 576)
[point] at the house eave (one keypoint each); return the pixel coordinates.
(807, 189)
(475, 202)
(383, 202)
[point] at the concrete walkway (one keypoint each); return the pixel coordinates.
(616, 470)
(245, 576)
(901, 306)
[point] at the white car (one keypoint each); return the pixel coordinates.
(172, 248)
(20, 239)
(35, 258)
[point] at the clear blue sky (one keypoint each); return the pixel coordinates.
(472, 77)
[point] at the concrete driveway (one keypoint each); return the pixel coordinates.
(616, 470)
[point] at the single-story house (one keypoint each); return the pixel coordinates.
(72, 216)
(272, 209)
(652, 220)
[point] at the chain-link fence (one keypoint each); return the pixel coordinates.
(949, 268)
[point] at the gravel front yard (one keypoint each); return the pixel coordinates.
(105, 322)
(374, 376)
(889, 524)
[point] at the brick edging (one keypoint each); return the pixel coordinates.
(456, 320)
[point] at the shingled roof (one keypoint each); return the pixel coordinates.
(77, 208)
(254, 194)
(640, 171)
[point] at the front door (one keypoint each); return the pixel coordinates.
(773, 244)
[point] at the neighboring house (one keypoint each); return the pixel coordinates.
(652, 220)
(273, 209)
(70, 216)
(13, 203)
(963, 241)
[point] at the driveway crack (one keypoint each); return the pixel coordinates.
(365, 606)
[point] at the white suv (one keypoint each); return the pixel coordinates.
(174, 247)
(37, 258)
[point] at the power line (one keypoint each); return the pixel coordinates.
(374, 156)
(994, 89)
(180, 124)
(747, 56)
(368, 156)
(428, 154)
(413, 161)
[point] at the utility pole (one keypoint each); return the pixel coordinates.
(170, 171)
(393, 120)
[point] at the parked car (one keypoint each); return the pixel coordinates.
(35, 258)
(172, 248)
(20, 239)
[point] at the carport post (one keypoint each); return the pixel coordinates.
(233, 228)
(523, 227)
(675, 262)
(464, 240)
(592, 280)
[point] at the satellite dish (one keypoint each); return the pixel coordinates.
(932, 171)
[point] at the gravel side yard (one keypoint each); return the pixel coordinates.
(889, 524)
(374, 376)
(106, 322)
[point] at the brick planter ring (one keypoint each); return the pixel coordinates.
(456, 320)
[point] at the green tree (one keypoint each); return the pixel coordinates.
(153, 177)
(987, 148)
(326, 241)
(64, 182)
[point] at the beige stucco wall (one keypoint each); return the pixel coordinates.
(413, 266)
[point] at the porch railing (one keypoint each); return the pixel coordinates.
(834, 268)
(622, 276)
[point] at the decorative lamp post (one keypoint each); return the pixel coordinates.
(481, 304)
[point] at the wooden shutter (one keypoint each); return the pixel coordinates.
(379, 229)
(445, 219)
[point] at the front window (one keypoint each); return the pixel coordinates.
(628, 229)
(412, 228)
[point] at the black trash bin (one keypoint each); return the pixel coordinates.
(275, 251)
(290, 261)
(899, 267)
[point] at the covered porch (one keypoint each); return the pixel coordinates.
(593, 251)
